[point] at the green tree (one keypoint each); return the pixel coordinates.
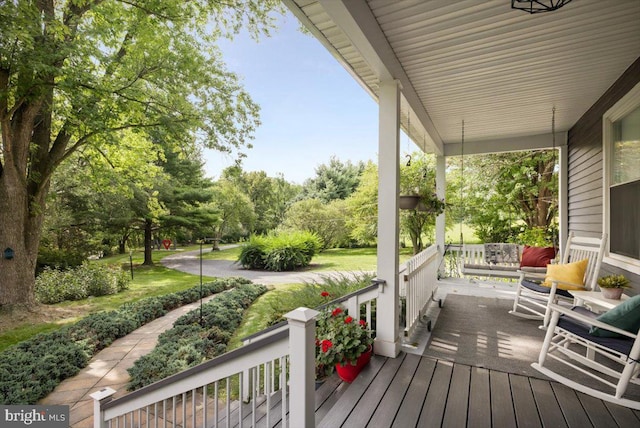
(76, 73)
(506, 192)
(270, 196)
(362, 205)
(337, 180)
(328, 221)
(233, 208)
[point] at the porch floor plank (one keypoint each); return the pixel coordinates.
(480, 398)
(596, 411)
(433, 408)
(412, 404)
(414, 391)
(502, 412)
(549, 409)
(624, 416)
(455, 414)
(526, 414)
(361, 414)
(377, 369)
(571, 407)
(392, 400)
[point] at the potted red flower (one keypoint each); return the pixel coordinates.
(342, 342)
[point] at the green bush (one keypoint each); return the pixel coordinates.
(32, 369)
(282, 252)
(54, 286)
(310, 294)
(58, 259)
(195, 337)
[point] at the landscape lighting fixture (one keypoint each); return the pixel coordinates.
(537, 6)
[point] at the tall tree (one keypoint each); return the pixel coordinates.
(76, 73)
(336, 180)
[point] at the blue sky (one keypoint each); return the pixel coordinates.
(311, 108)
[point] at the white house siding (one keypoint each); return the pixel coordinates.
(585, 203)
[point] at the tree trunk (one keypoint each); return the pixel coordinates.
(20, 232)
(148, 224)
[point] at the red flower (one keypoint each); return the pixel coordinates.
(363, 323)
(348, 320)
(317, 342)
(336, 312)
(325, 294)
(326, 344)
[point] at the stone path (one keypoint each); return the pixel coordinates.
(109, 368)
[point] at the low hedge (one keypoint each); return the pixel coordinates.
(282, 252)
(191, 342)
(32, 369)
(80, 282)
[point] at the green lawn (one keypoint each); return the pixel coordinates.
(157, 280)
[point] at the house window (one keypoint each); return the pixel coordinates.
(622, 181)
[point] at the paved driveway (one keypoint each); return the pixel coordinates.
(189, 262)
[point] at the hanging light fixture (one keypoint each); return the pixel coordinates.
(537, 6)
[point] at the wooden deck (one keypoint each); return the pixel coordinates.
(414, 391)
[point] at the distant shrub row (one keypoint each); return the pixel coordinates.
(55, 286)
(281, 252)
(189, 343)
(32, 369)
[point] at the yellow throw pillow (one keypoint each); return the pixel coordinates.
(570, 272)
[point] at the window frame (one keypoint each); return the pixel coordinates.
(625, 105)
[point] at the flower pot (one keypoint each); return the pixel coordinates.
(611, 293)
(348, 372)
(408, 202)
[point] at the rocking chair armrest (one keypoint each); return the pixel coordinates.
(529, 274)
(590, 321)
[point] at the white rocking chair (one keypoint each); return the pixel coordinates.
(569, 341)
(532, 299)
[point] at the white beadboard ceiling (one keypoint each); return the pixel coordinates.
(500, 70)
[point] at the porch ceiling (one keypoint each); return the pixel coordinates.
(500, 70)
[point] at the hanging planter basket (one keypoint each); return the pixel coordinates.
(409, 202)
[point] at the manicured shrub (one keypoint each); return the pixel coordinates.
(54, 286)
(282, 252)
(195, 337)
(32, 369)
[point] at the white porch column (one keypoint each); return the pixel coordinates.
(387, 341)
(441, 186)
(302, 354)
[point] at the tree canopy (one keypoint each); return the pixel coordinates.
(90, 73)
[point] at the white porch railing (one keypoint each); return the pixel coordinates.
(275, 383)
(418, 285)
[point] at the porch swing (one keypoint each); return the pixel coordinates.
(501, 260)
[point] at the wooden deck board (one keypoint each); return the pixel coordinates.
(410, 408)
(455, 413)
(433, 407)
(361, 414)
(624, 416)
(571, 407)
(392, 400)
(548, 407)
(480, 398)
(522, 395)
(502, 412)
(413, 391)
(596, 411)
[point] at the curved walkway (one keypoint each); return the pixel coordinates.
(109, 366)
